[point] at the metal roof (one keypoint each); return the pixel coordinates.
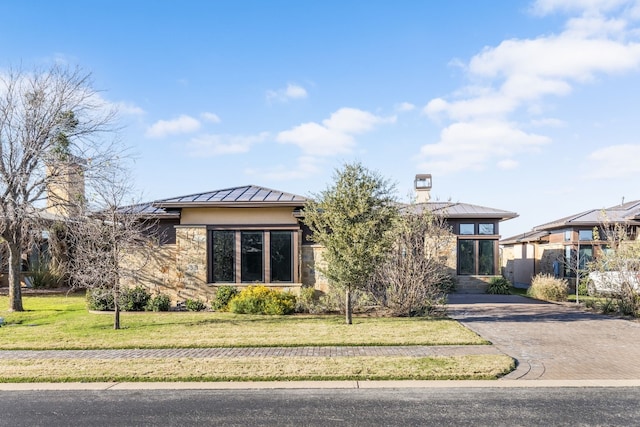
(462, 210)
(623, 213)
(531, 236)
(248, 195)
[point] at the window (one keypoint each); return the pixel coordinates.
(467, 229)
(486, 229)
(486, 258)
(466, 256)
(567, 236)
(585, 235)
(281, 256)
(247, 256)
(586, 256)
(223, 254)
(252, 258)
(476, 257)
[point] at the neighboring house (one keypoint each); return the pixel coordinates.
(563, 242)
(65, 186)
(250, 234)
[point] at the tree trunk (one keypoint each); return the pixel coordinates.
(116, 317)
(347, 306)
(116, 308)
(15, 266)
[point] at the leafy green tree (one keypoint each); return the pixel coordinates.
(353, 219)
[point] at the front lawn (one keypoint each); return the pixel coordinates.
(63, 322)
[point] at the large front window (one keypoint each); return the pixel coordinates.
(249, 256)
(476, 257)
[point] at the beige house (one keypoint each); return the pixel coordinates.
(251, 234)
(556, 247)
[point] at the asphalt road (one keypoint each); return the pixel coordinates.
(598, 406)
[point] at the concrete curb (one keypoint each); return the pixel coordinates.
(274, 385)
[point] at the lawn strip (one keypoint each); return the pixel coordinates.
(257, 369)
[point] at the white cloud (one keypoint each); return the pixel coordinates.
(518, 75)
(614, 162)
(334, 135)
(304, 167)
(295, 92)
(129, 109)
(182, 124)
(212, 145)
(210, 117)
(548, 122)
(508, 164)
(471, 145)
(545, 7)
(405, 106)
(292, 91)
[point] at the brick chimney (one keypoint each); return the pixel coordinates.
(422, 186)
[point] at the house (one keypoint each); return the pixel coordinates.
(566, 242)
(65, 186)
(251, 234)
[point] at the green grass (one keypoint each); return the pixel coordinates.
(518, 291)
(477, 367)
(63, 322)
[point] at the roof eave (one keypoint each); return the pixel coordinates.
(260, 204)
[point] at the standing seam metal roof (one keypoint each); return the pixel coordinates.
(243, 194)
(629, 211)
(463, 210)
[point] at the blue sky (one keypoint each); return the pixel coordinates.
(526, 106)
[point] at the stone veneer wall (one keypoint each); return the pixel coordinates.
(311, 258)
(546, 254)
(178, 270)
(473, 284)
(507, 261)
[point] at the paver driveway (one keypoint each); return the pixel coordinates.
(552, 341)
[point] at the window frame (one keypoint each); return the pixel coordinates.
(477, 254)
(266, 273)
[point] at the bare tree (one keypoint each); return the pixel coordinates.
(616, 271)
(413, 280)
(45, 117)
(112, 240)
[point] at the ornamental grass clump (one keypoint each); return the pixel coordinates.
(548, 288)
(499, 286)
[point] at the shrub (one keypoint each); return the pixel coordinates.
(42, 277)
(195, 305)
(447, 284)
(583, 288)
(224, 294)
(548, 288)
(134, 299)
(99, 299)
(159, 302)
(608, 306)
(307, 301)
(499, 286)
(262, 300)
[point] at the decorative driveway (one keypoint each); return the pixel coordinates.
(552, 341)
